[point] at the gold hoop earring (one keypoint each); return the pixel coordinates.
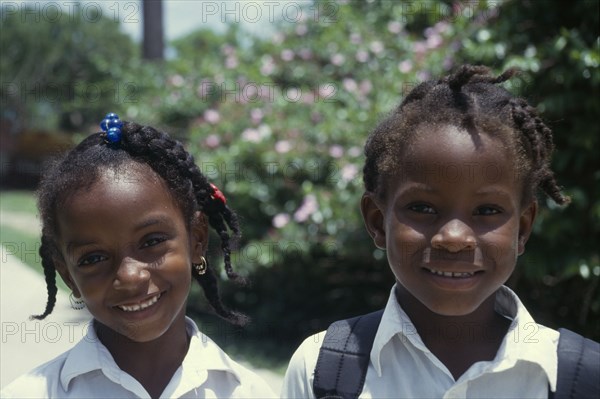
(201, 267)
(76, 303)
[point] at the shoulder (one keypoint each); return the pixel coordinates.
(251, 384)
(226, 376)
(41, 382)
(298, 378)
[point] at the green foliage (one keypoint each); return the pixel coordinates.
(61, 70)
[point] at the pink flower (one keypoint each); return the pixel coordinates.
(338, 59)
(256, 115)
(441, 27)
(301, 29)
(362, 56)
(420, 47)
(280, 220)
(326, 91)
(231, 62)
(336, 151)
(176, 80)
(349, 172)
(405, 66)
(423, 76)
(212, 116)
(365, 87)
(355, 38)
(349, 84)
(287, 55)
(308, 207)
(268, 66)
(283, 146)
(212, 141)
(228, 49)
(394, 27)
(306, 54)
(434, 41)
(251, 135)
(376, 47)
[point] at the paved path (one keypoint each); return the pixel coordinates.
(25, 343)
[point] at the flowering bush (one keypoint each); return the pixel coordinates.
(280, 123)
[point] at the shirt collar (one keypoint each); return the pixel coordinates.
(205, 355)
(525, 341)
(90, 354)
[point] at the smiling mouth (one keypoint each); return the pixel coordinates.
(475, 257)
(451, 274)
(140, 306)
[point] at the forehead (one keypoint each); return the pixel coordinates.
(117, 196)
(449, 154)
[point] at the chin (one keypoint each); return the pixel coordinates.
(455, 310)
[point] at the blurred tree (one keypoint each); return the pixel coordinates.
(65, 69)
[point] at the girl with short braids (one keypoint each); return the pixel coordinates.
(125, 219)
(451, 177)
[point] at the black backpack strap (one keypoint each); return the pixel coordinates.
(578, 367)
(344, 357)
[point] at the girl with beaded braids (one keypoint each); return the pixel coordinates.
(125, 223)
(451, 177)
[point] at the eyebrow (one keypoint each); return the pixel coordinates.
(151, 221)
(417, 188)
(492, 191)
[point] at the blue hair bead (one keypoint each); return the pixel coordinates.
(113, 134)
(111, 124)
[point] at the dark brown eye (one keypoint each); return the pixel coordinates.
(153, 241)
(91, 259)
(422, 208)
(487, 210)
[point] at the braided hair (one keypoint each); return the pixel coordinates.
(167, 157)
(469, 99)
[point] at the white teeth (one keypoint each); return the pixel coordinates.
(451, 274)
(140, 306)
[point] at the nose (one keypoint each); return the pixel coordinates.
(131, 274)
(454, 236)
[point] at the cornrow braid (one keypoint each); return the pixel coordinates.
(470, 98)
(168, 159)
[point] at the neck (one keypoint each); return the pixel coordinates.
(152, 363)
(457, 341)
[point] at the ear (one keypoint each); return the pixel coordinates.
(372, 214)
(64, 273)
(199, 236)
(526, 220)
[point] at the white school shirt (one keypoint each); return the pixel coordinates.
(88, 370)
(401, 366)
